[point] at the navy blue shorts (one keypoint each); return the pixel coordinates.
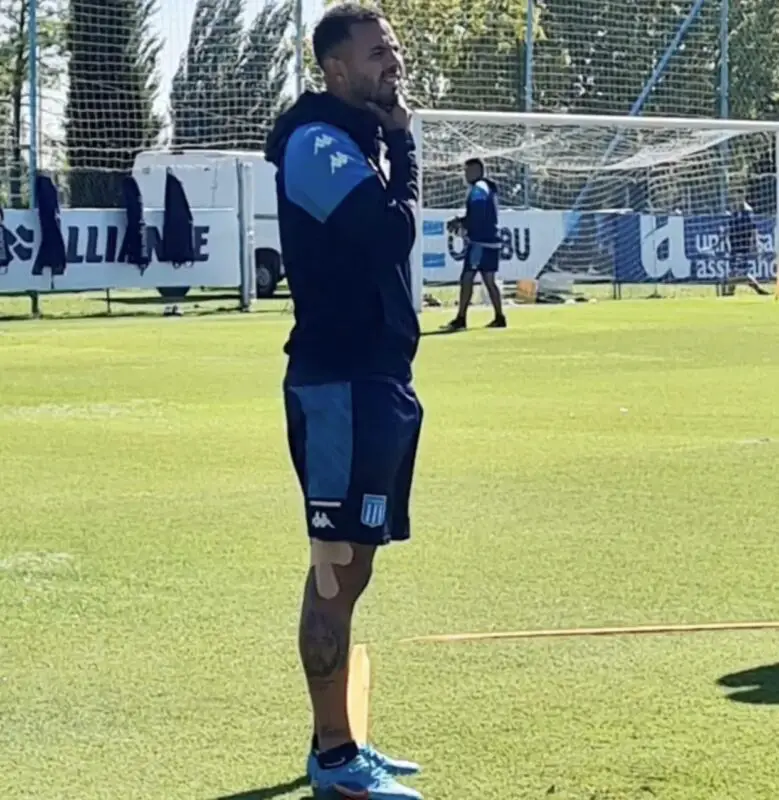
(354, 446)
(481, 259)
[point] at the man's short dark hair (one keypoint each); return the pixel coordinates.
(475, 162)
(335, 27)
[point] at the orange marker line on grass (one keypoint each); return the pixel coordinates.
(563, 633)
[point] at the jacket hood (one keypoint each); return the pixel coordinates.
(310, 107)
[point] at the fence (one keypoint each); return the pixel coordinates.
(87, 95)
(92, 83)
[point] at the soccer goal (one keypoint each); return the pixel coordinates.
(599, 199)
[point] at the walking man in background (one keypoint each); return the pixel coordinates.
(347, 231)
(742, 234)
(479, 228)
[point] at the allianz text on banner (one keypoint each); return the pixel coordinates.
(95, 260)
(676, 249)
(528, 239)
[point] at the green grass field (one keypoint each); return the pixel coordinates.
(604, 464)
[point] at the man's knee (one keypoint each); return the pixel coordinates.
(341, 570)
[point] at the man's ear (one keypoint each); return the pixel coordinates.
(334, 69)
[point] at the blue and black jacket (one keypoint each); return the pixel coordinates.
(347, 230)
(481, 214)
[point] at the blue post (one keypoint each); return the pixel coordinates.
(724, 92)
(724, 62)
(635, 110)
(33, 77)
(531, 12)
(529, 29)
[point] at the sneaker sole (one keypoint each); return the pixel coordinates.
(336, 793)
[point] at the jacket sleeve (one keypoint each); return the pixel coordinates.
(327, 176)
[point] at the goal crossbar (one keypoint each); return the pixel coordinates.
(532, 119)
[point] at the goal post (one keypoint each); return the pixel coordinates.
(594, 198)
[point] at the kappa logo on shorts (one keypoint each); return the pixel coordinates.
(374, 510)
(320, 520)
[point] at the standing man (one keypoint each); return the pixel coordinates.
(353, 419)
(479, 227)
(742, 234)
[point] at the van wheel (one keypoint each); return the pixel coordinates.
(267, 272)
(173, 292)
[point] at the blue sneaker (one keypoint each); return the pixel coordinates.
(395, 767)
(392, 766)
(360, 780)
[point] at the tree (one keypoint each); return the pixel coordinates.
(201, 94)
(460, 54)
(113, 83)
(262, 74)
(229, 86)
(15, 75)
(754, 60)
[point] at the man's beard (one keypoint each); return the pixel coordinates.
(384, 95)
(387, 100)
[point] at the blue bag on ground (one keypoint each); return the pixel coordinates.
(51, 253)
(178, 231)
(135, 249)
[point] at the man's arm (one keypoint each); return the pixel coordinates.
(404, 171)
(326, 175)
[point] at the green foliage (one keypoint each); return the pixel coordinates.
(112, 87)
(464, 54)
(754, 60)
(14, 82)
(590, 56)
(230, 83)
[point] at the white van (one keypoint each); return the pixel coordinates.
(210, 180)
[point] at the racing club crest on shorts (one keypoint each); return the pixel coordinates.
(374, 510)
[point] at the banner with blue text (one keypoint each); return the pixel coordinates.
(600, 246)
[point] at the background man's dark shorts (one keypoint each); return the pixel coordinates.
(481, 259)
(354, 446)
(739, 265)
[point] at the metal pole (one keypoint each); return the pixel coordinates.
(529, 27)
(298, 47)
(531, 12)
(724, 95)
(776, 215)
(724, 63)
(33, 101)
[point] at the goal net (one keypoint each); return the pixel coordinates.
(151, 74)
(601, 199)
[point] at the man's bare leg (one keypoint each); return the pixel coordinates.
(338, 575)
(754, 285)
(466, 292)
(495, 298)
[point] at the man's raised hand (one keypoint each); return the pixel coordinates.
(397, 119)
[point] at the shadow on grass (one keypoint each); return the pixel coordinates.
(190, 299)
(442, 332)
(757, 686)
(139, 314)
(269, 792)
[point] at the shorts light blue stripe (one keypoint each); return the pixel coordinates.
(327, 409)
(477, 252)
